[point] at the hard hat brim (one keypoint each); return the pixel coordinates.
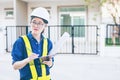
(45, 21)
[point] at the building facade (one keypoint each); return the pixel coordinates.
(62, 12)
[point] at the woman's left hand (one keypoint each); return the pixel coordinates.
(49, 63)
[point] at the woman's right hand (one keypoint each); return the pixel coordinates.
(22, 63)
(33, 56)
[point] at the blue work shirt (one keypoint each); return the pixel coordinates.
(19, 53)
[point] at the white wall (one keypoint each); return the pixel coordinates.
(54, 6)
(94, 16)
(20, 8)
(54, 12)
(3, 23)
(3, 20)
(21, 17)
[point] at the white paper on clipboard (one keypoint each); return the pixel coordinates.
(59, 43)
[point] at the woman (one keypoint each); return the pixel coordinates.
(28, 48)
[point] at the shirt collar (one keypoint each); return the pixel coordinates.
(31, 36)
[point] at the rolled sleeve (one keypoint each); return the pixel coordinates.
(17, 51)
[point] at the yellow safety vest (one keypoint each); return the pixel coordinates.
(32, 66)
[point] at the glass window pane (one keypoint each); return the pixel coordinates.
(79, 31)
(73, 16)
(65, 20)
(9, 13)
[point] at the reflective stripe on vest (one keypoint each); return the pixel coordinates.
(32, 66)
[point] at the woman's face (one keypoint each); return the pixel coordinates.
(37, 26)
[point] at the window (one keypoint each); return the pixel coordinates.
(73, 16)
(9, 13)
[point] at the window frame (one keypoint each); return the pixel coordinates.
(7, 10)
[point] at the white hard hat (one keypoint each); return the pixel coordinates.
(41, 13)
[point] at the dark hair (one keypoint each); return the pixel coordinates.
(45, 21)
